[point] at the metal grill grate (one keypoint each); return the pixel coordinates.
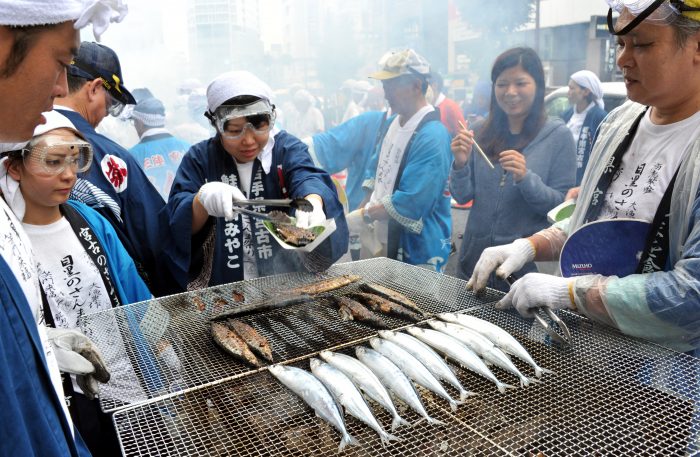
(610, 394)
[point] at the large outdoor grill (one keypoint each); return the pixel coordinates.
(609, 395)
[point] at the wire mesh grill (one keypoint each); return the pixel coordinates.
(609, 394)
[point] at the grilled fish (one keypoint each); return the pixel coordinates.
(412, 368)
(481, 345)
(348, 396)
(504, 340)
(313, 392)
(230, 342)
(392, 295)
(296, 236)
(456, 350)
(325, 285)
(351, 310)
(365, 380)
(382, 305)
(199, 303)
(393, 378)
(253, 339)
(274, 302)
(428, 357)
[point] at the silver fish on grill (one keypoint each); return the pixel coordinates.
(428, 357)
(456, 350)
(366, 381)
(482, 346)
(412, 368)
(348, 396)
(393, 379)
(314, 393)
(504, 340)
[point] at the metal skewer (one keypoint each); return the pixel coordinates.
(478, 148)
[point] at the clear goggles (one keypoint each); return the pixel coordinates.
(50, 155)
(654, 11)
(260, 116)
(114, 106)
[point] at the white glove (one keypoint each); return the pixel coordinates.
(76, 354)
(537, 289)
(508, 258)
(355, 221)
(217, 198)
(314, 218)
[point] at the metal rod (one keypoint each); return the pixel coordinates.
(478, 148)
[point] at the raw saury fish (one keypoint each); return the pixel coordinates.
(504, 340)
(315, 394)
(412, 368)
(382, 305)
(393, 379)
(253, 339)
(456, 350)
(324, 285)
(348, 396)
(230, 342)
(428, 357)
(392, 295)
(366, 381)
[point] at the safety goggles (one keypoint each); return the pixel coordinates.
(50, 156)
(260, 116)
(654, 11)
(114, 106)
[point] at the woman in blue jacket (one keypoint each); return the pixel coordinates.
(533, 158)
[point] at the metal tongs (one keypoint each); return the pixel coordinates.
(301, 204)
(563, 335)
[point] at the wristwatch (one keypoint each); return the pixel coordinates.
(366, 218)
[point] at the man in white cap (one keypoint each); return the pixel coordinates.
(586, 113)
(407, 213)
(38, 40)
(248, 158)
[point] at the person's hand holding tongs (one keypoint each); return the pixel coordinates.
(536, 292)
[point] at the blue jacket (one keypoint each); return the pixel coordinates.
(504, 210)
(584, 143)
(420, 223)
(208, 161)
(33, 421)
(159, 156)
(128, 200)
(350, 146)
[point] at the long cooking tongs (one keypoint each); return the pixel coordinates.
(301, 204)
(556, 329)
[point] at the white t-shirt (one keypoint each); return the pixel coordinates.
(250, 265)
(16, 250)
(575, 124)
(74, 287)
(647, 168)
(390, 156)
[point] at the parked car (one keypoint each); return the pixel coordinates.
(557, 102)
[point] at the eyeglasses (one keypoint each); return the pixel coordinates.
(53, 159)
(114, 106)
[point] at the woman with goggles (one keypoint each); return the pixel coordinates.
(248, 158)
(644, 165)
(82, 267)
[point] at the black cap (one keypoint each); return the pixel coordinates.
(96, 60)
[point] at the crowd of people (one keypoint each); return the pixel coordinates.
(88, 225)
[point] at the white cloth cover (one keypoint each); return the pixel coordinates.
(588, 80)
(233, 84)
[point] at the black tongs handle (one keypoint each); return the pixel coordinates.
(562, 338)
(297, 203)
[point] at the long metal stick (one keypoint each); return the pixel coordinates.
(478, 148)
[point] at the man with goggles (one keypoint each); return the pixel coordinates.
(115, 185)
(248, 158)
(643, 166)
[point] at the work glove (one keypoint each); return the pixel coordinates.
(505, 259)
(316, 217)
(217, 199)
(355, 221)
(76, 354)
(537, 289)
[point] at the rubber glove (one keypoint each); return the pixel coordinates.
(313, 218)
(508, 258)
(537, 289)
(355, 221)
(76, 354)
(217, 199)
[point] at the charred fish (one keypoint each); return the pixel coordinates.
(382, 305)
(233, 344)
(253, 339)
(392, 295)
(351, 310)
(325, 285)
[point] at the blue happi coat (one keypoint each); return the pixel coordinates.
(160, 155)
(117, 188)
(208, 161)
(420, 224)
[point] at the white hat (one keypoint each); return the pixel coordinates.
(589, 80)
(233, 84)
(99, 13)
(54, 120)
(397, 63)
